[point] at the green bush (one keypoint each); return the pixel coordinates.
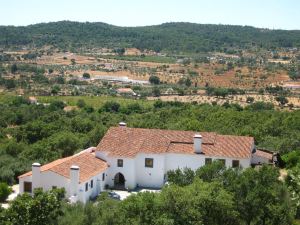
(5, 191)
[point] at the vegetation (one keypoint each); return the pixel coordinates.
(5, 191)
(225, 196)
(43, 208)
(30, 133)
(173, 37)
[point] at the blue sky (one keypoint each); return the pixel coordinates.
(278, 14)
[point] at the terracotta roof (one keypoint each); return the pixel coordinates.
(88, 163)
(264, 154)
(128, 142)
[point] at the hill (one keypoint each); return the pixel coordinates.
(168, 37)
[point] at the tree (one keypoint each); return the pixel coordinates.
(211, 171)
(55, 89)
(261, 197)
(111, 106)
(156, 92)
(86, 76)
(119, 51)
(14, 69)
(293, 182)
(5, 191)
(42, 208)
(198, 203)
(81, 103)
(181, 177)
(282, 100)
(56, 105)
(250, 99)
(154, 79)
(10, 84)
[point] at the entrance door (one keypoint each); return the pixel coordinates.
(119, 181)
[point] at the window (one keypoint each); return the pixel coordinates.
(92, 183)
(149, 162)
(223, 161)
(208, 161)
(120, 162)
(27, 187)
(54, 187)
(103, 176)
(86, 186)
(235, 163)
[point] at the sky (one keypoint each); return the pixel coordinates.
(273, 14)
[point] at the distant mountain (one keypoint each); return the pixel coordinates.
(169, 37)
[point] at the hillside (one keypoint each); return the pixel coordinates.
(168, 37)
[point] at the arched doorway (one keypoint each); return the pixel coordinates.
(119, 181)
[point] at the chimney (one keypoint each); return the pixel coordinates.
(198, 143)
(74, 180)
(36, 175)
(122, 124)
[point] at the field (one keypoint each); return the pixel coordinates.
(166, 68)
(94, 101)
(239, 99)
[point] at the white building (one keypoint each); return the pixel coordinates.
(135, 157)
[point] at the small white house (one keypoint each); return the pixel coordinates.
(135, 157)
(82, 176)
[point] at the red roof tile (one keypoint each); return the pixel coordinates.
(264, 154)
(127, 142)
(88, 163)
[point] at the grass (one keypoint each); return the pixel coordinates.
(155, 59)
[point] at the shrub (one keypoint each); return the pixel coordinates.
(86, 76)
(154, 79)
(5, 191)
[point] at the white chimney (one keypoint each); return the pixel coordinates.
(36, 175)
(122, 124)
(198, 143)
(74, 180)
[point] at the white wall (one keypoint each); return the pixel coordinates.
(48, 179)
(150, 177)
(175, 161)
(92, 192)
(128, 170)
(136, 174)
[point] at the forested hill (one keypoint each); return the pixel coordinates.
(170, 37)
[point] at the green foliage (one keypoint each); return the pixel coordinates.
(250, 99)
(291, 159)
(260, 106)
(5, 191)
(119, 51)
(256, 195)
(81, 103)
(156, 92)
(282, 100)
(111, 106)
(43, 208)
(293, 182)
(14, 68)
(174, 37)
(86, 76)
(154, 79)
(181, 177)
(30, 133)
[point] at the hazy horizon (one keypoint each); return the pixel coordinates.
(271, 14)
